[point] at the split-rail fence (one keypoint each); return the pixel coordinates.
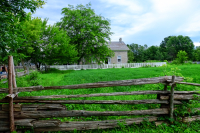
(14, 113)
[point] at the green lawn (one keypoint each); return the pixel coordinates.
(71, 77)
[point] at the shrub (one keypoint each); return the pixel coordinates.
(175, 62)
(181, 56)
(34, 75)
(166, 61)
(34, 78)
(189, 63)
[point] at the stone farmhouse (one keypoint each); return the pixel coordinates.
(121, 52)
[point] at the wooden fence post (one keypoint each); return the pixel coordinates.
(13, 75)
(172, 97)
(10, 87)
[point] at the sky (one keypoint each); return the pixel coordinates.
(138, 21)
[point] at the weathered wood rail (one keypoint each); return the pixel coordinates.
(28, 115)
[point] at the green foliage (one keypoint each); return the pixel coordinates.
(88, 32)
(144, 53)
(182, 56)
(11, 13)
(44, 44)
(57, 48)
(163, 47)
(167, 50)
(130, 56)
(30, 39)
(189, 62)
(188, 108)
(152, 53)
(72, 77)
(176, 62)
(197, 54)
(178, 43)
(138, 51)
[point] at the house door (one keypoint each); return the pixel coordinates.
(109, 60)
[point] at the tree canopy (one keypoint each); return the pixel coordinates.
(40, 43)
(181, 56)
(88, 32)
(177, 43)
(11, 13)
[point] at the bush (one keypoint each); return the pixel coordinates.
(176, 62)
(34, 78)
(189, 63)
(34, 75)
(166, 61)
(181, 57)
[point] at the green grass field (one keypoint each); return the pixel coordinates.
(71, 77)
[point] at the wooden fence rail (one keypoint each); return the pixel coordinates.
(27, 115)
(165, 79)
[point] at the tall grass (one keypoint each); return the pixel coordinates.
(70, 77)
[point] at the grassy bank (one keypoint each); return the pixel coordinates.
(59, 78)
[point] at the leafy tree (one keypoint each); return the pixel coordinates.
(138, 51)
(181, 56)
(88, 32)
(30, 39)
(163, 47)
(151, 52)
(197, 54)
(177, 43)
(43, 44)
(12, 12)
(56, 48)
(130, 56)
(159, 56)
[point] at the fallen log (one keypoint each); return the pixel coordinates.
(152, 101)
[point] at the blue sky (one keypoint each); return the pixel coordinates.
(138, 21)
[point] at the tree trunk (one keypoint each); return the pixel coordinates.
(37, 65)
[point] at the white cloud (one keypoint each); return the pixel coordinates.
(130, 5)
(55, 4)
(133, 17)
(138, 18)
(192, 26)
(197, 43)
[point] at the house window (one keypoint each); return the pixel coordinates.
(119, 59)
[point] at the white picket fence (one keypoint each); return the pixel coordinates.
(105, 66)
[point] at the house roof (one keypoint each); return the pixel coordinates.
(118, 45)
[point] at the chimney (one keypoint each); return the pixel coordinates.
(120, 39)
